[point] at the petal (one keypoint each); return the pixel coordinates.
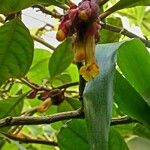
(94, 69)
(85, 73)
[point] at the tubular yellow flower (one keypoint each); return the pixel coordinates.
(82, 21)
(90, 69)
(79, 50)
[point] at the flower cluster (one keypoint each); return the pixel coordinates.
(82, 21)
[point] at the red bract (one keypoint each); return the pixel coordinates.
(66, 26)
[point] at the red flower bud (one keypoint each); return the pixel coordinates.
(60, 35)
(32, 94)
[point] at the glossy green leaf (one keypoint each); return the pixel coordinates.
(2, 142)
(69, 104)
(61, 58)
(142, 131)
(73, 136)
(134, 62)
(16, 50)
(116, 141)
(126, 130)
(73, 72)
(39, 68)
(12, 6)
(129, 101)
(129, 3)
(98, 97)
(12, 106)
(61, 79)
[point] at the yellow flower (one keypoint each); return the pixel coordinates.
(79, 50)
(90, 69)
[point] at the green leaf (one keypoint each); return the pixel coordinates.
(98, 97)
(11, 6)
(39, 68)
(110, 36)
(73, 136)
(116, 142)
(73, 72)
(12, 106)
(61, 79)
(128, 3)
(134, 62)
(129, 101)
(16, 50)
(69, 104)
(142, 131)
(126, 130)
(61, 58)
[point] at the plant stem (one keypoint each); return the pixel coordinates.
(29, 140)
(124, 32)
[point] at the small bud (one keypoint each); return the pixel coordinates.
(44, 105)
(83, 15)
(60, 35)
(58, 97)
(32, 94)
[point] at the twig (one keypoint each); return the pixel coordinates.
(123, 120)
(43, 42)
(67, 85)
(29, 140)
(124, 32)
(34, 85)
(104, 14)
(29, 120)
(40, 87)
(82, 82)
(44, 10)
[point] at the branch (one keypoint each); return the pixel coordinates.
(29, 140)
(67, 85)
(29, 120)
(124, 32)
(43, 42)
(82, 83)
(35, 86)
(44, 10)
(123, 120)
